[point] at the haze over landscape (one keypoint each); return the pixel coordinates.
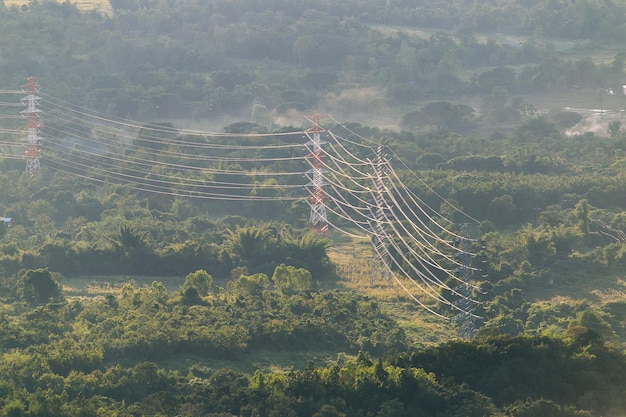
(312, 208)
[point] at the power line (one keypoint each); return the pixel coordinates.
(364, 192)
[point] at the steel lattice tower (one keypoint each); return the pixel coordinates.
(32, 115)
(466, 319)
(318, 219)
(380, 259)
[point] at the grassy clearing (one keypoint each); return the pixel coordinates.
(598, 289)
(572, 97)
(102, 6)
(259, 359)
(599, 52)
(353, 263)
(93, 286)
(353, 260)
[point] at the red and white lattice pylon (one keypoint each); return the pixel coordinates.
(31, 113)
(317, 219)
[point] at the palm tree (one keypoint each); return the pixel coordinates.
(129, 238)
(309, 252)
(248, 246)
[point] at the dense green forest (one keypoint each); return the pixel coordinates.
(112, 356)
(223, 302)
(206, 60)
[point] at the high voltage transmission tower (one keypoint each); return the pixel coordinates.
(317, 219)
(32, 115)
(379, 256)
(466, 320)
(411, 245)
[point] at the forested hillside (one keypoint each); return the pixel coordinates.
(160, 262)
(154, 60)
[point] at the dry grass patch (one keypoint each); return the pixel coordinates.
(102, 6)
(354, 267)
(93, 286)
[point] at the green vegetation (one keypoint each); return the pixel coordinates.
(116, 300)
(264, 62)
(72, 357)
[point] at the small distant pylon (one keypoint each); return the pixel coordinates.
(318, 219)
(380, 257)
(32, 115)
(466, 319)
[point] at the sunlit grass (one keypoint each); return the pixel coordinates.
(353, 266)
(265, 360)
(93, 286)
(353, 263)
(100, 5)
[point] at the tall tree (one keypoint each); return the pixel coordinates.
(290, 279)
(37, 287)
